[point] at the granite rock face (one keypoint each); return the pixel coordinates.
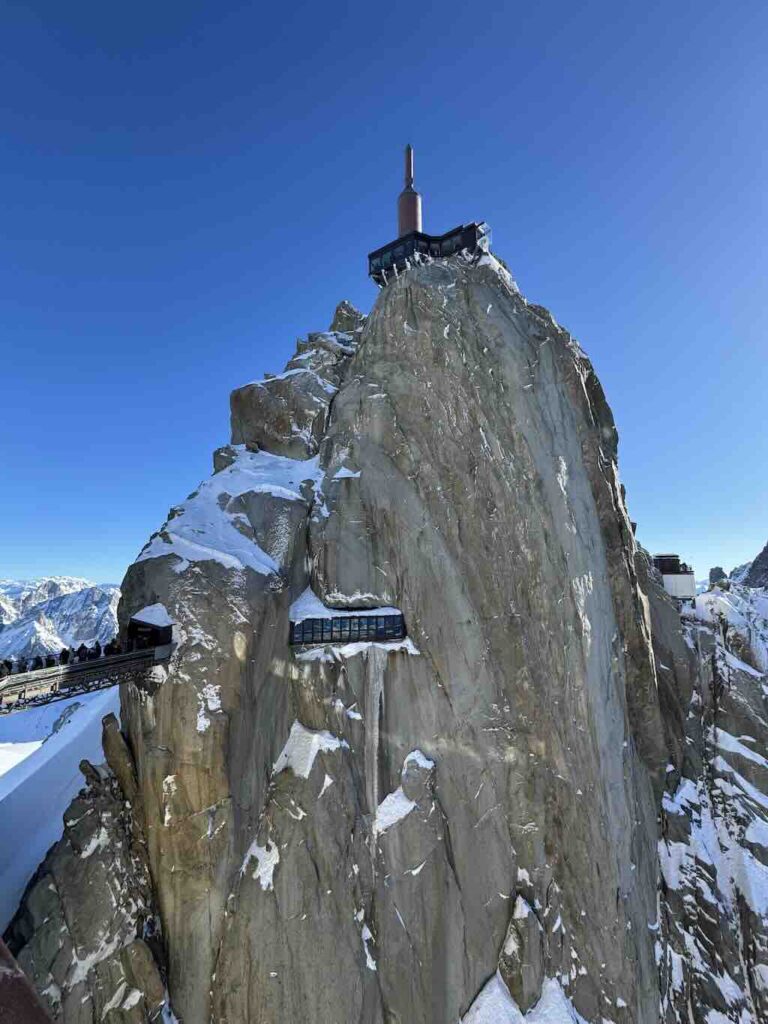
(287, 414)
(758, 571)
(465, 472)
(713, 920)
(86, 934)
(464, 824)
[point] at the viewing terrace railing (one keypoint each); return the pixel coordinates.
(27, 689)
(396, 256)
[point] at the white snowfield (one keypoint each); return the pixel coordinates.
(206, 527)
(40, 752)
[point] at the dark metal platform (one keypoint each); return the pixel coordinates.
(392, 259)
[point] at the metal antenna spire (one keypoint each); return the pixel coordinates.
(409, 166)
(409, 202)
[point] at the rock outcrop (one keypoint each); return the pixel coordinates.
(86, 933)
(758, 571)
(452, 455)
(461, 825)
(713, 921)
(738, 574)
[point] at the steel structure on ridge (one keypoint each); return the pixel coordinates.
(412, 244)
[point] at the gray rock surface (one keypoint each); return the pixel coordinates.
(758, 571)
(466, 473)
(466, 823)
(713, 948)
(86, 933)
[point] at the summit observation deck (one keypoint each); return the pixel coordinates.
(392, 259)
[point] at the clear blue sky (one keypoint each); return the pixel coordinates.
(190, 186)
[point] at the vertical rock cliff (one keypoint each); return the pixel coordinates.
(366, 826)
(461, 825)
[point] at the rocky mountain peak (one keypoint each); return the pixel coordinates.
(45, 615)
(458, 824)
(758, 571)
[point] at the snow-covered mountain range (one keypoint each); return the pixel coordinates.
(42, 616)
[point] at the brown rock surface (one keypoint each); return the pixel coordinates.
(86, 933)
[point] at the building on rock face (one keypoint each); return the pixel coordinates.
(312, 622)
(412, 244)
(678, 577)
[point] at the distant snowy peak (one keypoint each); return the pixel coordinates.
(25, 594)
(8, 611)
(45, 615)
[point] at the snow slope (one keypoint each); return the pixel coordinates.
(40, 751)
(741, 613)
(197, 531)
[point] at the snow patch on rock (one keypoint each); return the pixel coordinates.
(267, 858)
(396, 806)
(309, 606)
(339, 652)
(209, 525)
(494, 1005)
(154, 615)
(302, 748)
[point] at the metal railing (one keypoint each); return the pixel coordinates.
(29, 689)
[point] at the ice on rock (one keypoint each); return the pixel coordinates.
(340, 652)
